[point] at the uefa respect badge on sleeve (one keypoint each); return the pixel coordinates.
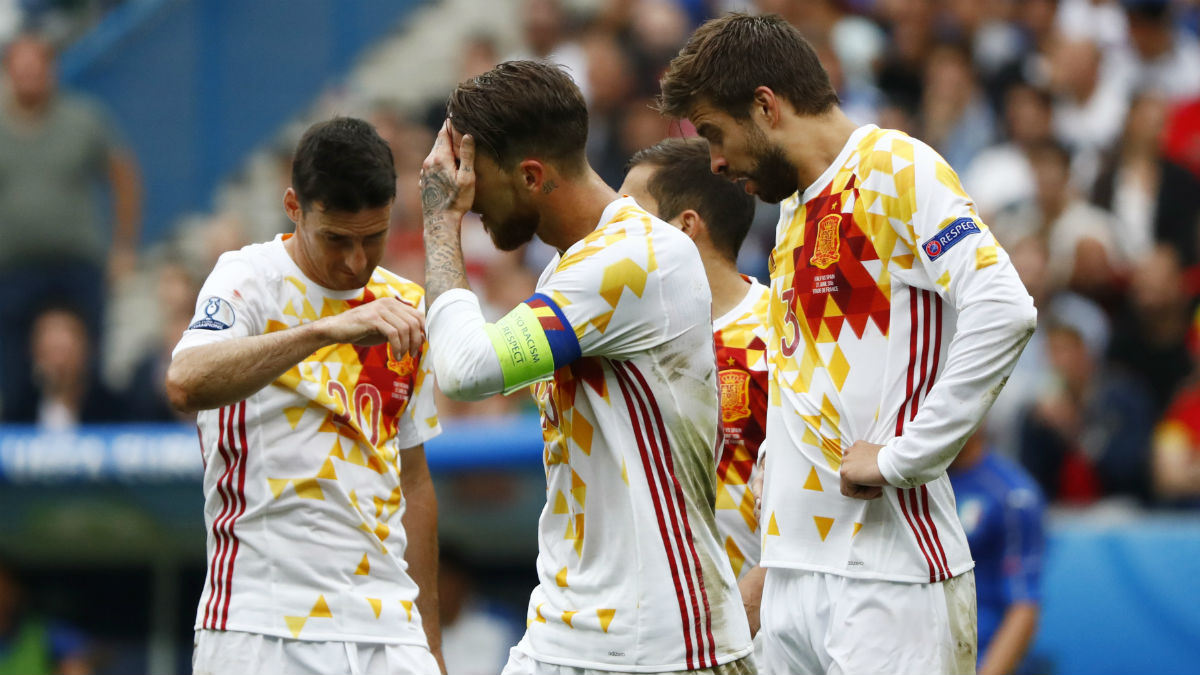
(948, 236)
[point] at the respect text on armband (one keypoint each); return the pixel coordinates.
(520, 341)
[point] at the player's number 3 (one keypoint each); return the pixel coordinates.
(789, 347)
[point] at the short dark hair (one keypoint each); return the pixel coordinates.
(523, 109)
(683, 180)
(726, 59)
(344, 165)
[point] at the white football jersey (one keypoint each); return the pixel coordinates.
(303, 499)
(895, 318)
(633, 574)
(740, 336)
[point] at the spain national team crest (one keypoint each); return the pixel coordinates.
(403, 367)
(827, 241)
(735, 395)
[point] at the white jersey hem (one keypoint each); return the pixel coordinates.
(624, 668)
(872, 576)
(323, 637)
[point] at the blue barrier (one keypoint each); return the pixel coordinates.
(197, 84)
(141, 453)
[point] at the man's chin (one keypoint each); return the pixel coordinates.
(510, 242)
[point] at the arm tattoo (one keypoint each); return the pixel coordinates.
(438, 191)
(444, 267)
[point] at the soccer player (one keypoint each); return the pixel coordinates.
(306, 362)
(618, 340)
(1001, 509)
(894, 319)
(672, 181)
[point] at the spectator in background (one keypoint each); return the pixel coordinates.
(146, 394)
(476, 636)
(55, 149)
(67, 391)
(1175, 462)
(1131, 174)
(1087, 436)
(1090, 103)
(955, 117)
(32, 644)
(857, 42)
(1078, 235)
(1001, 176)
(1160, 56)
(1033, 374)
(1001, 510)
(548, 37)
(1151, 330)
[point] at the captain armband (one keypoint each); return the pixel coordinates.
(532, 341)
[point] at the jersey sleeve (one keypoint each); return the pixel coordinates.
(599, 301)
(419, 421)
(1024, 542)
(227, 306)
(956, 256)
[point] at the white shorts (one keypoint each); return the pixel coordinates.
(824, 623)
(237, 653)
(520, 663)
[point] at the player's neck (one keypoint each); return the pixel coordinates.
(813, 142)
(728, 286)
(572, 210)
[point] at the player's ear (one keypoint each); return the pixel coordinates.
(532, 175)
(766, 107)
(291, 205)
(691, 223)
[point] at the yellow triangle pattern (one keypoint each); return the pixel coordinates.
(736, 559)
(772, 526)
(320, 609)
(813, 482)
(578, 488)
(606, 617)
(943, 281)
(293, 415)
(581, 432)
(986, 256)
(538, 610)
(561, 577)
(823, 525)
(838, 367)
(327, 470)
(624, 273)
(567, 616)
(857, 527)
(624, 472)
(407, 604)
(278, 485)
(377, 605)
(364, 567)
(560, 503)
(274, 326)
(295, 624)
(308, 488)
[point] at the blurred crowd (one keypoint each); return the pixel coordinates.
(1075, 126)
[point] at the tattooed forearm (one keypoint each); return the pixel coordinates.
(444, 267)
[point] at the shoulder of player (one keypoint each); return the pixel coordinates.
(386, 282)
(253, 260)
